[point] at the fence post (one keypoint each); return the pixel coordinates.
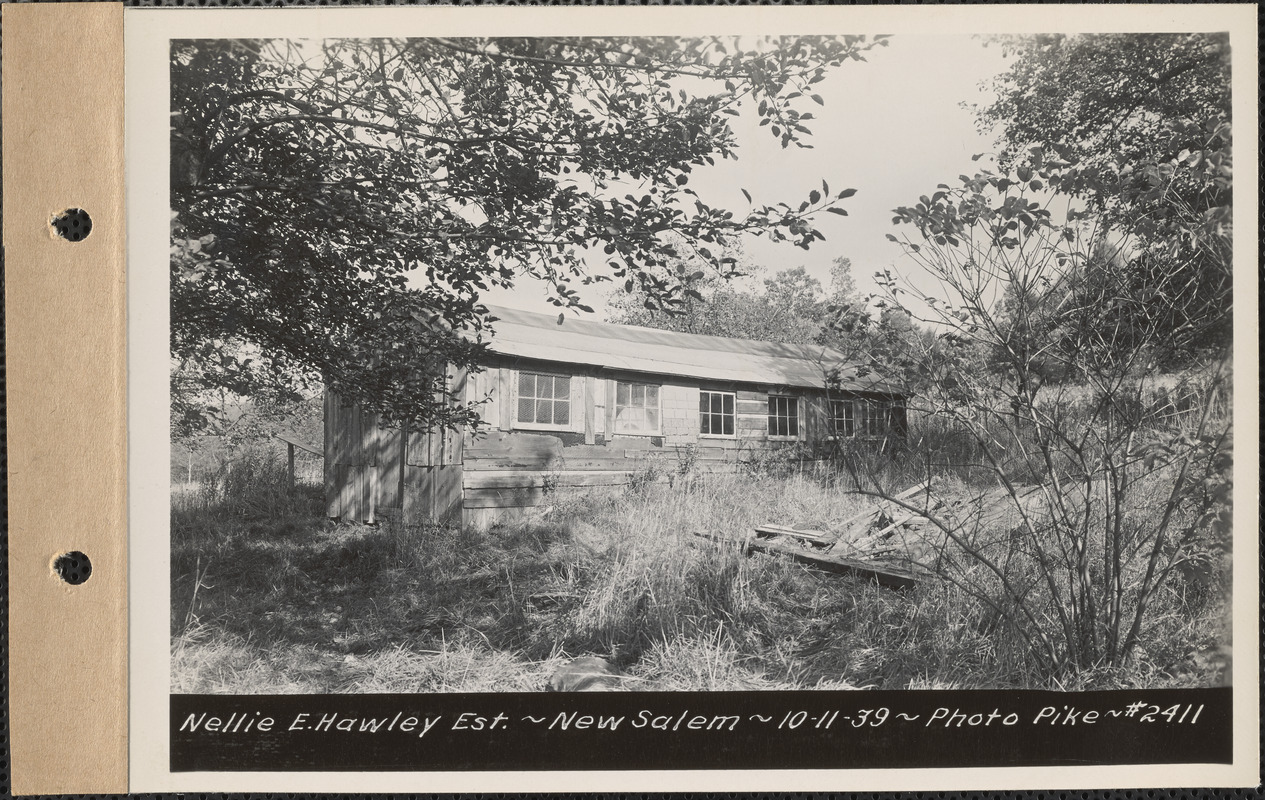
(290, 463)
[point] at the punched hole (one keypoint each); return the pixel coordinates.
(73, 224)
(73, 567)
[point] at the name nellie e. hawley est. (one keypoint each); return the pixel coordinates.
(246, 722)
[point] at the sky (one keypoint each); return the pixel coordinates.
(891, 127)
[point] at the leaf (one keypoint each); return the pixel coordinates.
(814, 196)
(891, 238)
(746, 194)
(817, 99)
(846, 193)
(841, 212)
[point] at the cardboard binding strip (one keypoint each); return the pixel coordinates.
(66, 398)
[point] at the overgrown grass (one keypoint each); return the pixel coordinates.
(268, 596)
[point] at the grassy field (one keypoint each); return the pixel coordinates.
(269, 596)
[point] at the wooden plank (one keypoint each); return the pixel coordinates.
(505, 394)
(390, 468)
(345, 490)
(516, 444)
(418, 494)
(610, 408)
(418, 449)
(484, 464)
(590, 403)
(884, 574)
(761, 396)
(449, 494)
(329, 470)
(510, 480)
(521, 497)
(807, 535)
(315, 450)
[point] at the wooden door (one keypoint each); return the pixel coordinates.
(433, 473)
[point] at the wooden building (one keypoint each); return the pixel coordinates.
(578, 404)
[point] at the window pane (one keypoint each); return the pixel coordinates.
(526, 384)
(728, 422)
(792, 426)
(562, 388)
(544, 411)
(728, 403)
(652, 396)
(703, 400)
(561, 413)
(621, 394)
(652, 419)
(526, 409)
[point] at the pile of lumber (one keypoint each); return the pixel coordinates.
(883, 543)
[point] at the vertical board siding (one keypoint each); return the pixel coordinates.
(590, 410)
(329, 472)
(390, 467)
(505, 391)
(610, 407)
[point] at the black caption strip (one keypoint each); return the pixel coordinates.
(671, 730)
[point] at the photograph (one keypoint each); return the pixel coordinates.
(700, 363)
(800, 399)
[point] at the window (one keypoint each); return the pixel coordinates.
(873, 417)
(636, 408)
(842, 423)
(544, 399)
(716, 413)
(783, 416)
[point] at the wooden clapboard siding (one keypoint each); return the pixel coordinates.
(432, 475)
(510, 479)
(518, 497)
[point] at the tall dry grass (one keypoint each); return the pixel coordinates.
(271, 597)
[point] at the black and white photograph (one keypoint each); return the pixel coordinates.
(830, 362)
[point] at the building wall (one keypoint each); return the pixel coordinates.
(512, 465)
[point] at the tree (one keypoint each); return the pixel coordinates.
(340, 205)
(1115, 491)
(786, 307)
(1137, 126)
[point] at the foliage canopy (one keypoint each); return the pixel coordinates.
(340, 205)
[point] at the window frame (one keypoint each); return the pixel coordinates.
(771, 416)
(879, 411)
(851, 418)
(542, 426)
(733, 414)
(658, 409)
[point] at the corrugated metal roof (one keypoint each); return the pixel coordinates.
(635, 349)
